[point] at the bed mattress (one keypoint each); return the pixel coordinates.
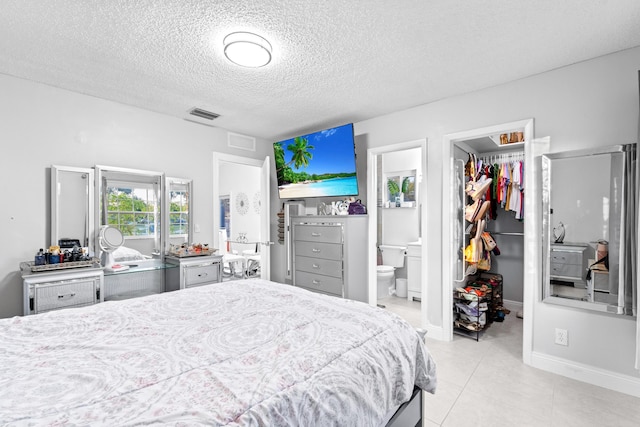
(248, 352)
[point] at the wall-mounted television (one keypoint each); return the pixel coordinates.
(320, 164)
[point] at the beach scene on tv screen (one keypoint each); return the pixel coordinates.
(321, 164)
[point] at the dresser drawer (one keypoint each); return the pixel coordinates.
(326, 267)
(63, 294)
(318, 233)
(317, 282)
(195, 275)
(318, 250)
(567, 270)
(566, 257)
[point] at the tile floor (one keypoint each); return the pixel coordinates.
(485, 383)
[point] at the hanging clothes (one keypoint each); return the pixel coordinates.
(507, 189)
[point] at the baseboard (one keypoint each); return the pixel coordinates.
(588, 374)
(512, 305)
(435, 332)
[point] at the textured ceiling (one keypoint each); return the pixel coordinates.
(333, 61)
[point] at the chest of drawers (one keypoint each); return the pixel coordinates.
(329, 255)
(568, 262)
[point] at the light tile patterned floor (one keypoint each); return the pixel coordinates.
(485, 383)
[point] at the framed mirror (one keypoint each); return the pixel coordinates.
(590, 224)
(178, 208)
(401, 189)
(72, 208)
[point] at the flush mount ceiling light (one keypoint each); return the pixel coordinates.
(247, 49)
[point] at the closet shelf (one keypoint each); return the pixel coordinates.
(511, 145)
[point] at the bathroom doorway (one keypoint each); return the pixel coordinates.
(396, 192)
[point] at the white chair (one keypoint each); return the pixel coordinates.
(233, 266)
(252, 263)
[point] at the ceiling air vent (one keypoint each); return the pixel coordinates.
(204, 114)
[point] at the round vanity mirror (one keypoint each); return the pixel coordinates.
(111, 238)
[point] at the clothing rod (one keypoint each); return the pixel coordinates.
(504, 233)
(502, 157)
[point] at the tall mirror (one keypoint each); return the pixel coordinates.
(72, 216)
(131, 200)
(590, 228)
(178, 200)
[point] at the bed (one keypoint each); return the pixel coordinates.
(249, 352)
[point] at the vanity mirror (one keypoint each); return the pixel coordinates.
(72, 214)
(590, 221)
(401, 189)
(178, 207)
(131, 200)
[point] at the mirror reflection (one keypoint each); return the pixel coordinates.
(590, 234)
(401, 189)
(180, 224)
(72, 205)
(131, 201)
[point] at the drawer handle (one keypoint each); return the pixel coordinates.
(71, 295)
(314, 250)
(315, 282)
(203, 274)
(315, 266)
(316, 234)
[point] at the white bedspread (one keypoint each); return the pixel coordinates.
(249, 352)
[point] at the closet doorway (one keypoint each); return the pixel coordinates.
(396, 233)
(518, 264)
(249, 198)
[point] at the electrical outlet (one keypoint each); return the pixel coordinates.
(562, 337)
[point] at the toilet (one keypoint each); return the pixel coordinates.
(392, 258)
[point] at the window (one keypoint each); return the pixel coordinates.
(133, 209)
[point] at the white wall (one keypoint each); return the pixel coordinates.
(579, 196)
(43, 125)
(589, 104)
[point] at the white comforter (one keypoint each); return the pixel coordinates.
(238, 353)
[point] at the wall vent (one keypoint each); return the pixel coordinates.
(243, 142)
(199, 112)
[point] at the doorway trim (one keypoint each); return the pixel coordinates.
(264, 165)
(449, 251)
(372, 201)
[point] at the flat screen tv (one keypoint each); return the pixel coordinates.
(320, 164)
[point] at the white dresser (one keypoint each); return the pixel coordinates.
(193, 271)
(330, 255)
(46, 291)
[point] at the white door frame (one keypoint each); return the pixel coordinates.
(264, 164)
(449, 252)
(372, 211)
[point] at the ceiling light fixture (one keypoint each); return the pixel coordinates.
(247, 49)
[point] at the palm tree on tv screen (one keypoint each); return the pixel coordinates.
(300, 149)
